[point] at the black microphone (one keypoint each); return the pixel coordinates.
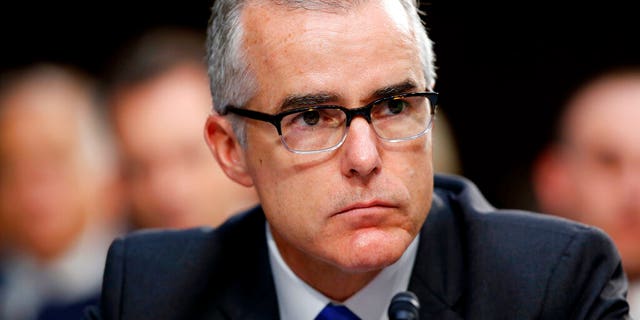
(404, 306)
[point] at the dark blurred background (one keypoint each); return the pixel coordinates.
(504, 69)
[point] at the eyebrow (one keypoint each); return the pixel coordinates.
(296, 101)
(313, 99)
(395, 89)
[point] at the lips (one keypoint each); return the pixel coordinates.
(365, 207)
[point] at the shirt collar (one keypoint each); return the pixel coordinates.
(298, 300)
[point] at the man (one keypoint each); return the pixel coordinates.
(159, 98)
(57, 193)
(326, 108)
(592, 172)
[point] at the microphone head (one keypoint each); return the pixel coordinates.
(404, 306)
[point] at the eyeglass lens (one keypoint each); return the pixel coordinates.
(393, 119)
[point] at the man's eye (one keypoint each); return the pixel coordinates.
(396, 106)
(311, 117)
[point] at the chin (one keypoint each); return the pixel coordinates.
(375, 249)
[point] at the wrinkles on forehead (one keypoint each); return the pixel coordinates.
(254, 12)
(277, 38)
(333, 6)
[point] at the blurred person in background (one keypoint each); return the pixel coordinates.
(58, 198)
(591, 172)
(445, 149)
(159, 98)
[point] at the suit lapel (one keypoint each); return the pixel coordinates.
(253, 298)
(437, 277)
(249, 292)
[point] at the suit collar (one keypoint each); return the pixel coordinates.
(437, 277)
(250, 291)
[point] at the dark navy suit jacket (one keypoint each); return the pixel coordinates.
(473, 262)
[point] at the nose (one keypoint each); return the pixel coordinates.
(360, 157)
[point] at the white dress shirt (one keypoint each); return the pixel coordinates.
(299, 301)
(634, 299)
(75, 275)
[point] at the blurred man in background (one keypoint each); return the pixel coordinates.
(159, 99)
(591, 173)
(445, 155)
(57, 194)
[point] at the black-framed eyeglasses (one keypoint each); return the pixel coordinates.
(323, 128)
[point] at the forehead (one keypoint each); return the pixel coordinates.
(181, 92)
(163, 113)
(304, 13)
(40, 117)
(299, 50)
(607, 113)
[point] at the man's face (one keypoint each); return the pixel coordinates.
(170, 178)
(604, 164)
(358, 207)
(43, 182)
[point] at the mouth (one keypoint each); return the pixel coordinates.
(364, 208)
(366, 215)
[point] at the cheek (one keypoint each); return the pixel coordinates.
(275, 182)
(595, 197)
(419, 179)
(286, 181)
(283, 190)
(417, 168)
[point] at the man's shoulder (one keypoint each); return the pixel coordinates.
(165, 239)
(533, 242)
(143, 243)
(168, 274)
(518, 262)
(464, 199)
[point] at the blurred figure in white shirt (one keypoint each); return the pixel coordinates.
(58, 199)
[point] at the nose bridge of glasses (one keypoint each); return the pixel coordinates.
(364, 112)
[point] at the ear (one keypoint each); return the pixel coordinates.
(551, 182)
(225, 148)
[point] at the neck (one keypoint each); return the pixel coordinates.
(330, 280)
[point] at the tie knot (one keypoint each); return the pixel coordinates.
(336, 312)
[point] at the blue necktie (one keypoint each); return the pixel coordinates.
(336, 312)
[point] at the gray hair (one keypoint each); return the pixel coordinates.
(232, 83)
